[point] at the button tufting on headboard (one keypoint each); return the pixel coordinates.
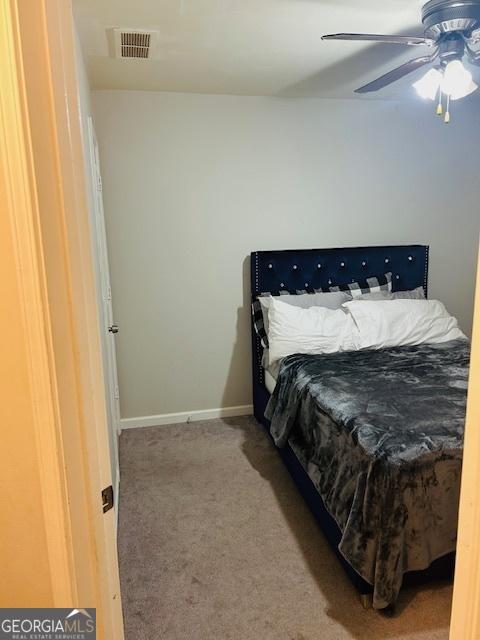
(322, 268)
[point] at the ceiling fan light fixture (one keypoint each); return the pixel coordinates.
(452, 33)
(428, 85)
(466, 91)
(457, 81)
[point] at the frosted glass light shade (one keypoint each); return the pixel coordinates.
(457, 81)
(466, 91)
(427, 86)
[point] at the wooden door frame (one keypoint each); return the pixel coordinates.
(465, 622)
(23, 212)
(41, 165)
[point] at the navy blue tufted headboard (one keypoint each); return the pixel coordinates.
(319, 268)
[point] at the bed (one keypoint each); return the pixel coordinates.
(377, 565)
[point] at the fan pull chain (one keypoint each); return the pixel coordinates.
(447, 113)
(439, 105)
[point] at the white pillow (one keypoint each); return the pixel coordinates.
(313, 330)
(393, 323)
(329, 299)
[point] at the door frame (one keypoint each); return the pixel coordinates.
(41, 165)
(465, 622)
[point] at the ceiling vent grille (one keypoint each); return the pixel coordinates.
(135, 43)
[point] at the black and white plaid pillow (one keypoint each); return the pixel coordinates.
(355, 289)
(369, 285)
(257, 312)
(258, 322)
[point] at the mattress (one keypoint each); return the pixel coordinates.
(270, 372)
(270, 380)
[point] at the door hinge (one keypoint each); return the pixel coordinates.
(107, 499)
(116, 393)
(99, 182)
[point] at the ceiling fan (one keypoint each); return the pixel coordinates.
(451, 31)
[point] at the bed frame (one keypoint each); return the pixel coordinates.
(298, 270)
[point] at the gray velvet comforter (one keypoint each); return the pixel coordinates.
(380, 434)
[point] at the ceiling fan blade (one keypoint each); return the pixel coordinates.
(396, 74)
(372, 37)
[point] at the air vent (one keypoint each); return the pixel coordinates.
(135, 43)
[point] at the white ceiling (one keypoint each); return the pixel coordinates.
(249, 47)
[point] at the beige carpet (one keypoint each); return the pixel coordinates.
(217, 544)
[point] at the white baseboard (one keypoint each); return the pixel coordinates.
(186, 416)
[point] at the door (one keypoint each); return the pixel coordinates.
(108, 328)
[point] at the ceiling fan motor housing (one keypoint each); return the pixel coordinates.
(440, 17)
(451, 47)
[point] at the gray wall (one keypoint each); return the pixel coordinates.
(193, 183)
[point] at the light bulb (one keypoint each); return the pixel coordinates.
(427, 86)
(457, 81)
